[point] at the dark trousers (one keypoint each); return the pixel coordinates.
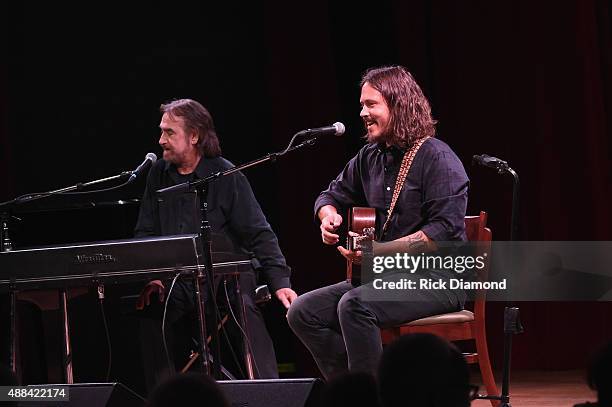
(182, 329)
(340, 325)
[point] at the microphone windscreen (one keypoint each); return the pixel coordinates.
(151, 156)
(339, 128)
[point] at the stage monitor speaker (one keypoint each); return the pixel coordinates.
(273, 392)
(93, 395)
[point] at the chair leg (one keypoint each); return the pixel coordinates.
(484, 363)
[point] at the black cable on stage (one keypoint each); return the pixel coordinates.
(246, 338)
(108, 341)
(164, 322)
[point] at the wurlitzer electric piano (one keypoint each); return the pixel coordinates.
(60, 270)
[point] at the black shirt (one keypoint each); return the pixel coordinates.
(232, 211)
(433, 198)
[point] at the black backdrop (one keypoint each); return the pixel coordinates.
(530, 82)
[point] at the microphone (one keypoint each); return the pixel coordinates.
(149, 159)
(336, 129)
(491, 162)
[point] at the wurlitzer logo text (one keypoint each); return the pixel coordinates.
(94, 258)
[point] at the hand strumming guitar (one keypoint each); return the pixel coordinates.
(330, 221)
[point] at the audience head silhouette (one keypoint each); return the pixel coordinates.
(423, 370)
(187, 390)
(351, 390)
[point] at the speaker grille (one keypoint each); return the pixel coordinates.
(272, 393)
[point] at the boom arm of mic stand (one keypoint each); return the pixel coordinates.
(193, 185)
(75, 187)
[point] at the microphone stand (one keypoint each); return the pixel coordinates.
(201, 188)
(6, 245)
(512, 323)
(76, 187)
(515, 204)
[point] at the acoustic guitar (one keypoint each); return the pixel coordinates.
(361, 221)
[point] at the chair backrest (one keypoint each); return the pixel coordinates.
(477, 231)
(476, 227)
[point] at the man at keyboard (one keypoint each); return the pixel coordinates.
(191, 151)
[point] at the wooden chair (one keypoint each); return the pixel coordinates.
(461, 325)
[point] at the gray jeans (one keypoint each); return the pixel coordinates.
(341, 327)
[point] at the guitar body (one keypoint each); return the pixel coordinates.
(361, 221)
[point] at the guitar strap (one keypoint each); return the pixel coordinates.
(401, 178)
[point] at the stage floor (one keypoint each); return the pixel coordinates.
(545, 388)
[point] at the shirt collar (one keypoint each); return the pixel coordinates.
(395, 150)
(202, 170)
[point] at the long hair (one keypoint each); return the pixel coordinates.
(410, 113)
(198, 119)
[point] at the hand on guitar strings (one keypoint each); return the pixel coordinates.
(353, 256)
(329, 224)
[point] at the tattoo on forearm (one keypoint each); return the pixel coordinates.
(416, 241)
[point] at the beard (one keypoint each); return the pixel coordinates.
(382, 136)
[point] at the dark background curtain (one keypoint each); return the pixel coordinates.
(529, 82)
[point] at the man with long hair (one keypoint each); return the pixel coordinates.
(338, 323)
(191, 151)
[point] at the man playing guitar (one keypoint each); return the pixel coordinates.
(418, 189)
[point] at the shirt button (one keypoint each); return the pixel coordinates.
(388, 188)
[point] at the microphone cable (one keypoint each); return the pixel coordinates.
(227, 339)
(164, 322)
(246, 338)
(106, 330)
(95, 191)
